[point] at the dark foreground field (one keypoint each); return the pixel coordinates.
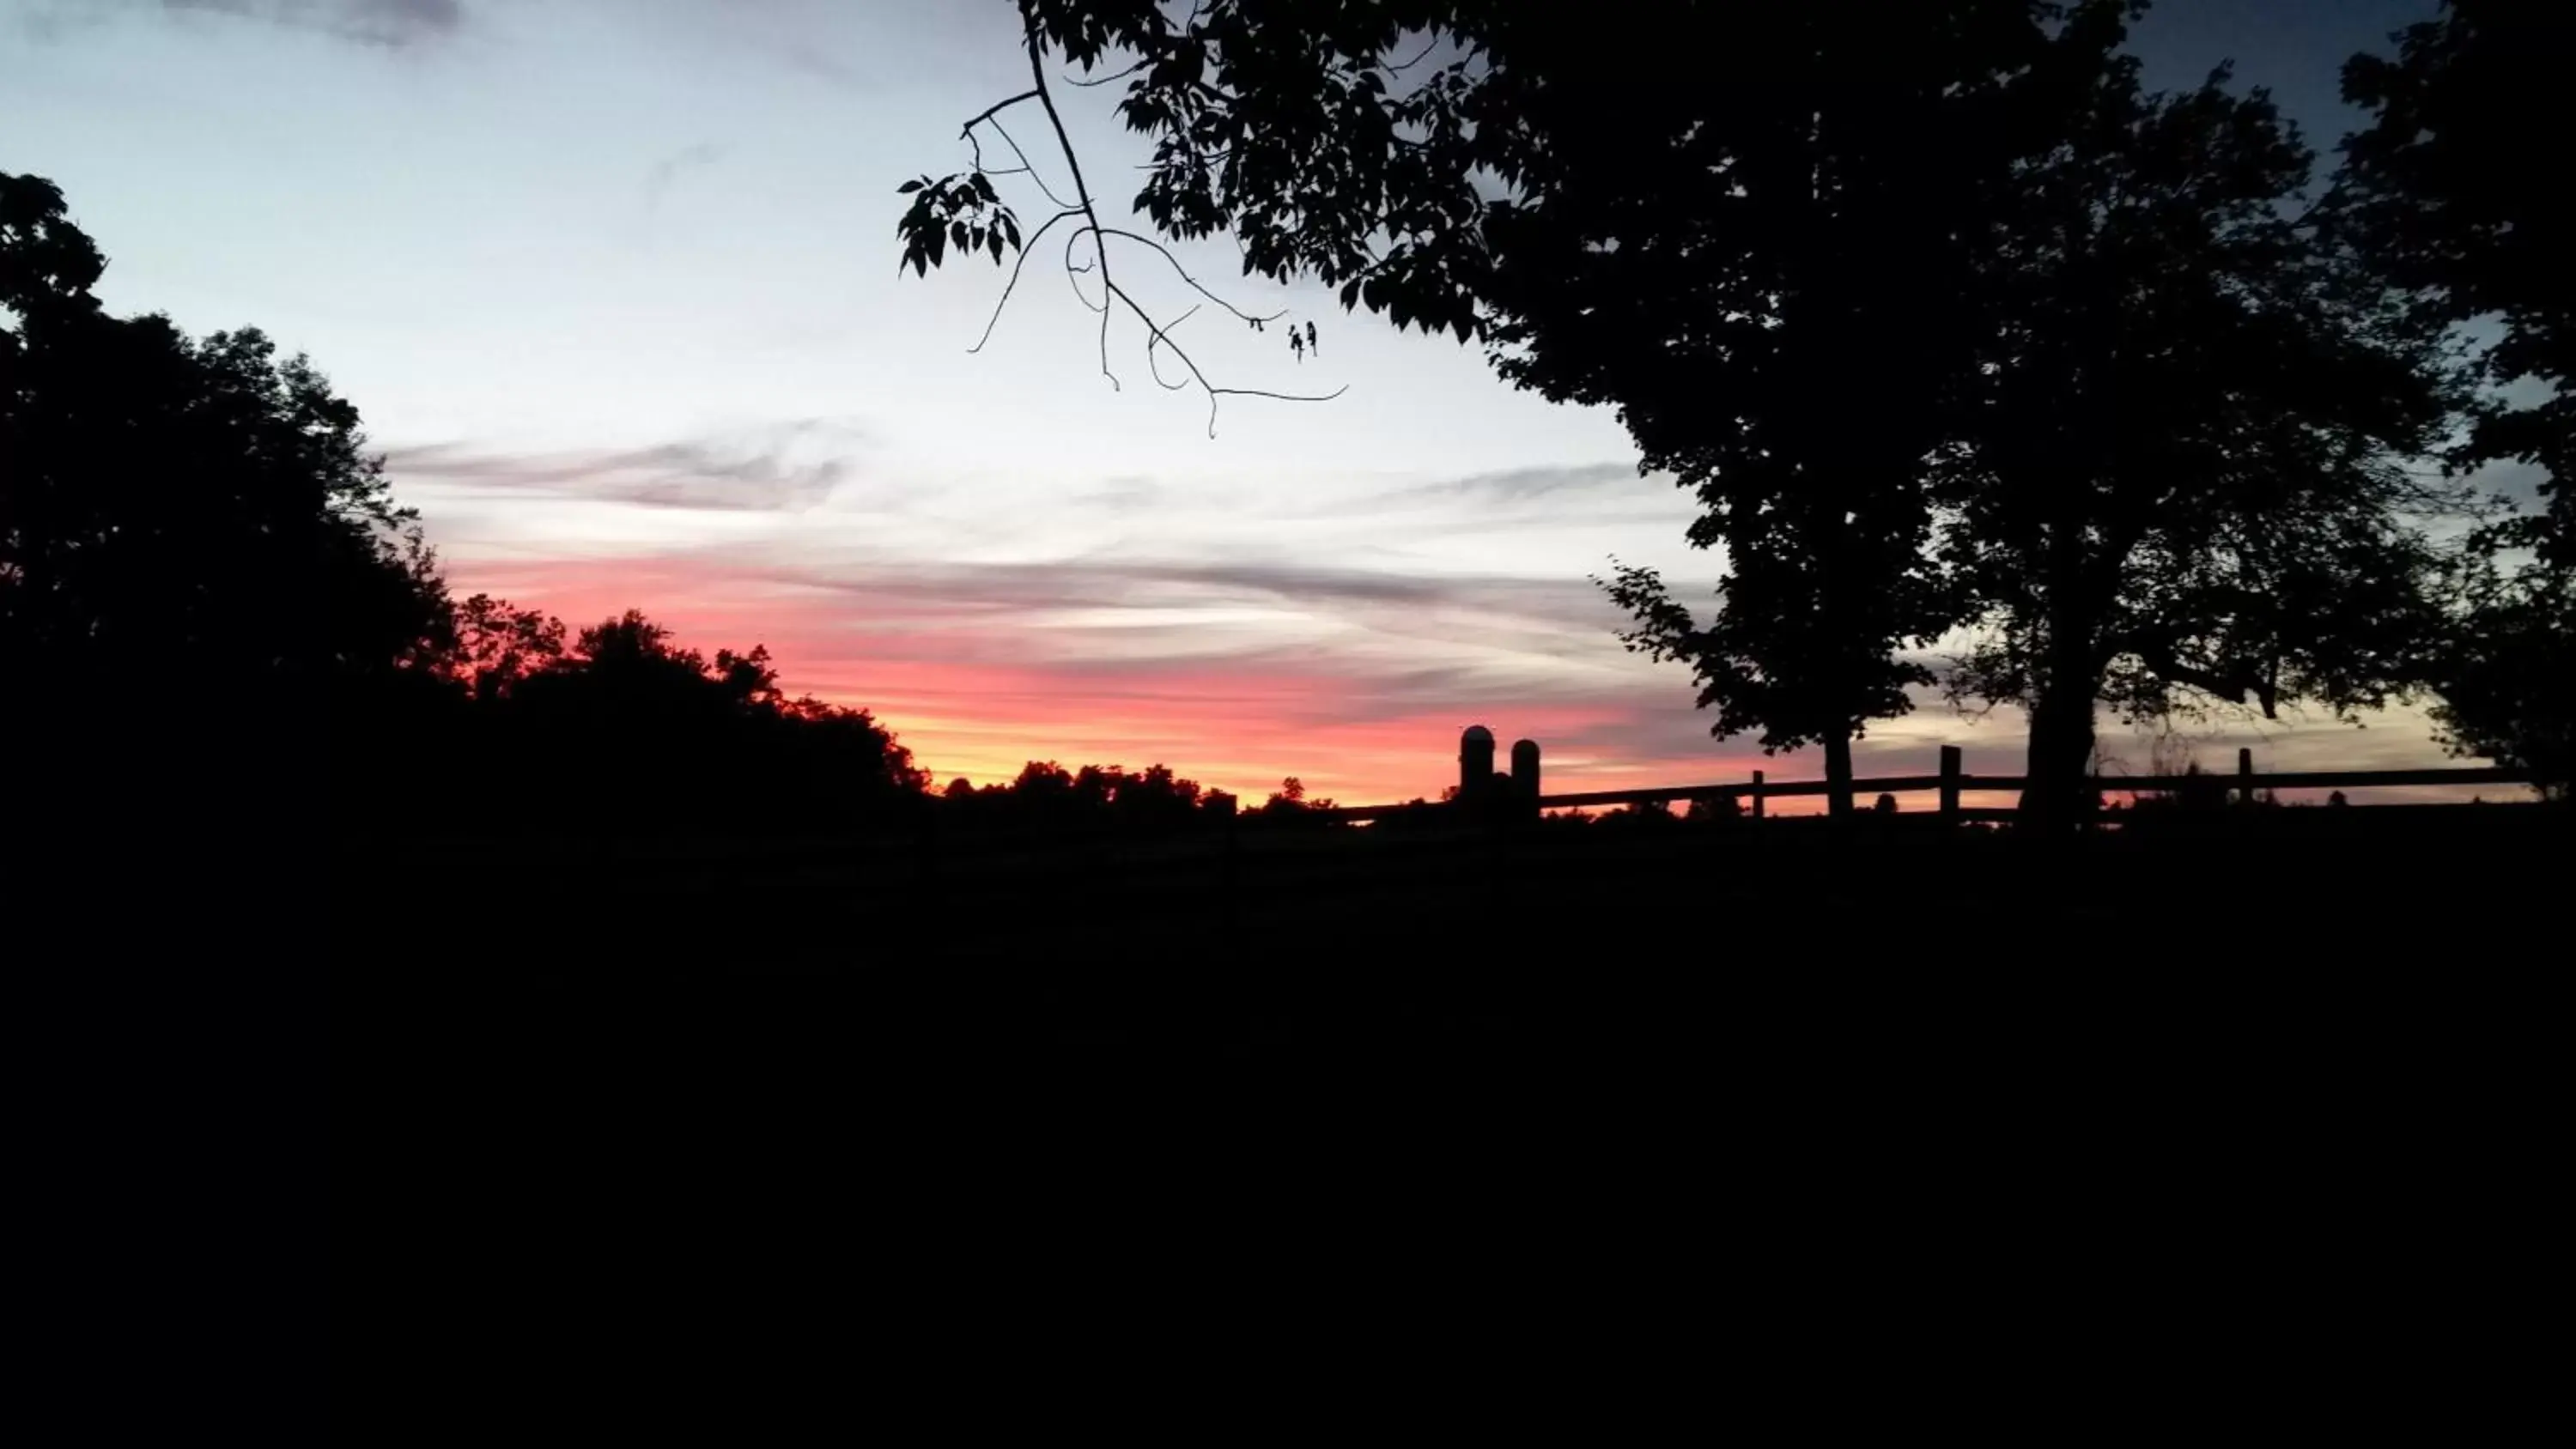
(1601, 978)
(793, 1080)
(592, 1105)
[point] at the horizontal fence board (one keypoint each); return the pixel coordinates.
(1970, 784)
(1888, 785)
(2333, 779)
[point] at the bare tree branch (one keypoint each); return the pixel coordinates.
(1213, 391)
(1081, 192)
(1084, 210)
(1074, 239)
(1240, 314)
(1030, 167)
(1155, 367)
(1017, 262)
(997, 108)
(1428, 46)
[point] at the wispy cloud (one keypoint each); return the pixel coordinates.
(1518, 485)
(770, 470)
(1510, 490)
(379, 22)
(662, 173)
(1125, 495)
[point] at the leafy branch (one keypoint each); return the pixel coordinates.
(965, 212)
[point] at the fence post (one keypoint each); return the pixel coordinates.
(1949, 785)
(1757, 794)
(2244, 776)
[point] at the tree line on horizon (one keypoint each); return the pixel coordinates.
(1964, 339)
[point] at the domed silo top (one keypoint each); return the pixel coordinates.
(1475, 759)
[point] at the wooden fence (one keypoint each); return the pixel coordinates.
(1478, 782)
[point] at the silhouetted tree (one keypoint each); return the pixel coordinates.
(2508, 690)
(197, 512)
(2454, 191)
(2186, 477)
(493, 646)
(1765, 271)
(1290, 803)
(1740, 233)
(628, 730)
(1046, 794)
(201, 521)
(198, 559)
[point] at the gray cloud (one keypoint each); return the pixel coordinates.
(1508, 487)
(380, 22)
(764, 471)
(1517, 485)
(1124, 495)
(1508, 606)
(659, 176)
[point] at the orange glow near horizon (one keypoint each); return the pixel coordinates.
(1363, 715)
(1227, 724)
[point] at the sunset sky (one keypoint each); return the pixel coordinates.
(613, 282)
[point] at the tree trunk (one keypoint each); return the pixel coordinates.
(2057, 793)
(1838, 775)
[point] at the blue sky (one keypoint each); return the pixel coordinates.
(613, 282)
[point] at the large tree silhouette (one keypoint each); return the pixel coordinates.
(2451, 191)
(209, 599)
(178, 509)
(1742, 227)
(2190, 476)
(205, 580)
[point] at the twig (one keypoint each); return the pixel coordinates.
(1081, 192)
(1213, 391)
(1152, 343)
(1018, 262)
(1074, 80)
(1166, 252)
(1030, 167)
(1083, 207)
(1073, 239)
(1427, 47)
(999, 106)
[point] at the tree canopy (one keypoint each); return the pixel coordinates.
(178, 507)
(2448, 190)
(2194, 471)
(201, 563)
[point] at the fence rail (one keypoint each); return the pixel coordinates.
(1477, 780)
